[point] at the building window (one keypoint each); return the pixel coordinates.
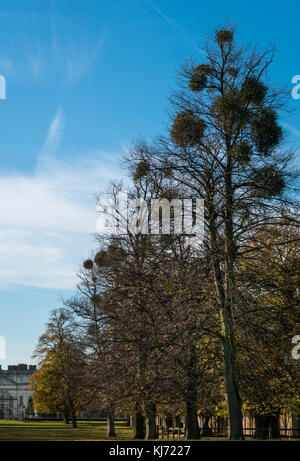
(21, 401)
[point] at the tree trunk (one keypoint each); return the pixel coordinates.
(73, 416)
(296, 425)
(139, 430)
(131, 421)
(66, 418)
(150, 411)
(74, 421)
(267, 426)
(111, 422)
(220, 425)
(206, 431)
(128, 420)
(168, 421)
(225, 296)
(234, 403)
(225, 287)
(275, 426)
(191, 421)
(178, 421)
(261, 427)
(192, 426)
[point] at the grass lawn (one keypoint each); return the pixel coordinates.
(11, 430)
(56, 430)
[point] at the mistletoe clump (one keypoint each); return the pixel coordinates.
(169, 194)
(224, 36)
(266, 132)
(268, 181)
(199, 77)
(114, 251)
(168, 170)
(253, 91)
(187, 129)
(242, 152)
(101, 258)
(88, 264)
(141, 170)
(229, 108)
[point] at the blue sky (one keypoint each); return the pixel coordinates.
(84, 78)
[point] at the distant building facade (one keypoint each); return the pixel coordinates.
(14, 390)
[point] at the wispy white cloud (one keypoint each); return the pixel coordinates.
(161, 14)
(73, 53)
(292, 129)
(54, 134)
(66, 53)
(80, 57)
(174, 24)
(47, 219)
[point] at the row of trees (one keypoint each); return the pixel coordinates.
(160, 325)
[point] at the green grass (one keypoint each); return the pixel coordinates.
(11, 430)
(56, 430)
